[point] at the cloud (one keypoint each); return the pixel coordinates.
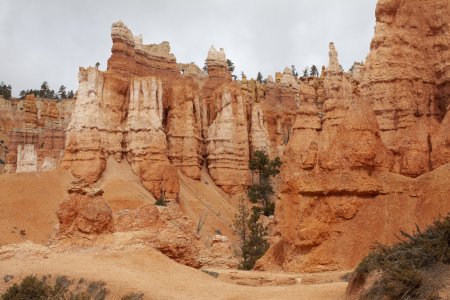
(50, 39)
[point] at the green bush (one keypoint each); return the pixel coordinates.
(31, 288)
(161, 201)
(402, 265)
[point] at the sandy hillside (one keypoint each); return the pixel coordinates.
(28, 202)
(122, 188)
(148, 271)
(207, 205)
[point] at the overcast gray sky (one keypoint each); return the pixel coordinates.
(49, 39)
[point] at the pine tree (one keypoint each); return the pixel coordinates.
(314, 72)
(70, 95)
(230, 65)
(305, 72)
(252, 234)
(5, 90)
(259, 77)
(44, 91)
(294, 71)
(62, 92)
(265, 168)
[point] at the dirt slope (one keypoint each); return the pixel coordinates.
(28, 202)
(148, 271)
(203, 200)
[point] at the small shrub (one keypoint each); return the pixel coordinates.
(61, 286)
(211, 273)
(31, 288)
(401, 265)
(161, 201)
(133, 296)
(8, 278)
(97, 290)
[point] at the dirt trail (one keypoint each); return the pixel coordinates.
(150, 272)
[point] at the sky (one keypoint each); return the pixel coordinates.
(48, 40)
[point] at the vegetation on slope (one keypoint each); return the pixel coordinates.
(402, 268)
(34, 288)
(249, 228)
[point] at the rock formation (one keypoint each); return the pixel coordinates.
(84, 214)
(406, 79)
(365, 153)
(351, 170)
(144, 109)
(32, 133)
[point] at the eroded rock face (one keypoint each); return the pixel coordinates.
(365, 153)
(359, 143)
(166, 229)
(406, 79)
(160, 119)
(84, 214)
(32, 133)
(227, 142)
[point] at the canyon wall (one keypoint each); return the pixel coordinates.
(369, 156)
(32, 133)
(365, 153)
(162, 117)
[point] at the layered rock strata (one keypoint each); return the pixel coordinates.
(32, 133)
(143, 108)
(357, 168)
(365, 153)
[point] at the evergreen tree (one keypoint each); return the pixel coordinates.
(259, 78)
(205, 67)
(44, 91)
(265, 168)
(252, 234)
(70, 95)
(294, 71)
(230, 65)
(305, 72)
(62, 92)
(314, 72)
(5, 90)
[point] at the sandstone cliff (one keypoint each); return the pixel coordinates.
(32, 133)
(357, 168)
(144, 109)
(365, 153)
